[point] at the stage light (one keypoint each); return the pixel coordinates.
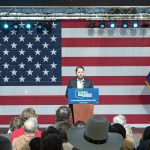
(112, 24)
(16, 26)
(39, 28)
(135, 24)
(28, 26)
(91, 25)
(102, 25)
(5, 26)
(125, 25)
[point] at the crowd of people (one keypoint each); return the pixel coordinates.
(96, 134)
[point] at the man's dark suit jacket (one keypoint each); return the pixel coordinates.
(73, 84)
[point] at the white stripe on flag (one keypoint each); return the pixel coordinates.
(40, 110)
(106, 51)
(108, 33)
(57, 90)
(47, 125)
(98, 109)
(109, 71)
(122, 109)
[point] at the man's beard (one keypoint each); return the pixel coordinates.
(80, 78)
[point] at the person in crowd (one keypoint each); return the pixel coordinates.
(50, 130)
(22, 142)
(78, 82)
(121, 119)
(144, 145)
(52, 142)
(26, 114)
(146, 134)
(95, 136)
(5, 143)
(15, 123)
(63, 127)
(63, 113)
(145, 140)
(128, 143)
(148, 146)
(35, 143)
(118, 128)
(80, 124)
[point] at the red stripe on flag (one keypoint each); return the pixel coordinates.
(51, 119)
(106, 61)
(74, 23)
(105, 42)
(124, 99)
(42, 119)
(112, 80)
(62, 100)
(33, 100)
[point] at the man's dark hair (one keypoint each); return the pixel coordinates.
(35, 143)
(51, 142)
(79, 67)
(118, 128)
(5, 143)
(50, 130)
(63, 127)
(146, 134)
(63, 113)
(148, 146)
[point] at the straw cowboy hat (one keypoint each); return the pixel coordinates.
(95, 136)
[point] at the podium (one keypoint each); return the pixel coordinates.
(82, 111)
(83, 101)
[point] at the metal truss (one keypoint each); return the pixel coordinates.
(100, 13)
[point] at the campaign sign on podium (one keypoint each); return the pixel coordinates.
(83, 96)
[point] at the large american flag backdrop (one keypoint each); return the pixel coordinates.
(35, 69)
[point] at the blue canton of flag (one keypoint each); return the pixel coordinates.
(30, 58)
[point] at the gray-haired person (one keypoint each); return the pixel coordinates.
(22, 142)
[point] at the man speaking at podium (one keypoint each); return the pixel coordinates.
(78, 82)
